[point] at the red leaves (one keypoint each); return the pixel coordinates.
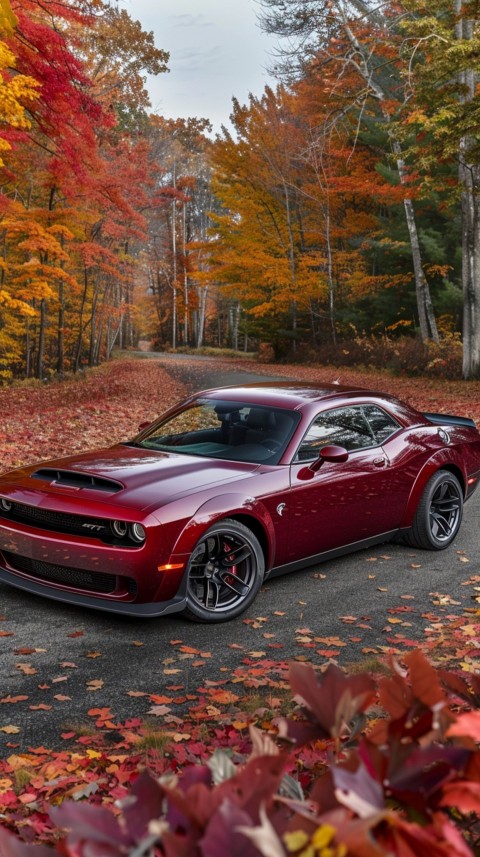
(397, 697)
(81, 414)
(10, 846)
(374, 797)
(331, 704)
(468, 725)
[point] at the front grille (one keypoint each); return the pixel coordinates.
(58, 521)
(74, 577)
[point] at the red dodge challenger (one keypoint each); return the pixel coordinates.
(232, 486)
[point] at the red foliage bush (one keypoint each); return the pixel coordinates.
(399, 775)
(406, 356)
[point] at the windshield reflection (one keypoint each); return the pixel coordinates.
(236, 431)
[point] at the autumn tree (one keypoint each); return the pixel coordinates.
(442, 48)
(363, 39)
(178, 220)
(67, 241)
(297, 214)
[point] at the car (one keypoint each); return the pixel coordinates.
(230, 487)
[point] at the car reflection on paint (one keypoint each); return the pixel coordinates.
(230, 487)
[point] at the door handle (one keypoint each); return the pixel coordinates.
(380, 461)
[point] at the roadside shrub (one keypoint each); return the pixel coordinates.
(405, 356)
(395, 773)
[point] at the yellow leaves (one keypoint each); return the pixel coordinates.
(416, 116)
(320, 844)
(94, 754)
(15, 305)
(14, 90)
(8, 20)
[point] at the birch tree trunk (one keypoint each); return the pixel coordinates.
(426, 314)
(469, 177)
(41, 338)
(202, 292)
(362, 63)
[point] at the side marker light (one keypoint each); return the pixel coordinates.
(171, 566)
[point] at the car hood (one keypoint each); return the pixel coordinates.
(123, 475)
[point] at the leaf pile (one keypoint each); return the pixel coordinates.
(100, 408)
(360, 768)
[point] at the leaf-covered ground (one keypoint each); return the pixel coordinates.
(185, 724)
(107, 404)
(96, 409)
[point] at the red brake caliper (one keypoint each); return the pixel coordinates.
(233, 570)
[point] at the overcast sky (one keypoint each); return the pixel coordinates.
(217, 50)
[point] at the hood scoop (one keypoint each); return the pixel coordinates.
(74, 479)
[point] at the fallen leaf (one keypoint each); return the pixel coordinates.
(27, 651)
(13, 699)
(159, 710)
(95, 684)
(26, 669)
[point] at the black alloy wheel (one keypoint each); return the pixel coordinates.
(225, 573)
(439, 513)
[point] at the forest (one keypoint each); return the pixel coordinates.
(336, 220)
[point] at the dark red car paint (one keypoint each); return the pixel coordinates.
(295, 515)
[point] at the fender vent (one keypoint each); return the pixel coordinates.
(73, 479)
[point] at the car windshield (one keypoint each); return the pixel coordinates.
(219, 429)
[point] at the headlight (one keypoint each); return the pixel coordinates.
(137, 533)
(120, 529)
(5, 504)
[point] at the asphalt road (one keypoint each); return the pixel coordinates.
(67, 660)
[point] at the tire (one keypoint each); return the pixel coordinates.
(439, 513)
(225, 572)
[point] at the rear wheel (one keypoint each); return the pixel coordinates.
(225, 573)
(439, 513)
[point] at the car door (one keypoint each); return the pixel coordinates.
(344, 502)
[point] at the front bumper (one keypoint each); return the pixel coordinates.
(79, 570)
(127, 608)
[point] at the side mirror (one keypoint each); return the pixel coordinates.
(334, 454)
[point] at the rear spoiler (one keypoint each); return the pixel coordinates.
(450, 420)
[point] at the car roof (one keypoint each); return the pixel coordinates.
(287, 394)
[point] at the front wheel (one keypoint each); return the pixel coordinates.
(439, 513)
(225, 573)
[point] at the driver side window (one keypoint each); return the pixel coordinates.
(345, 427)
